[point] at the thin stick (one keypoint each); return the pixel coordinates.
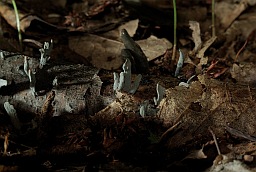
(215, 141)
(240, 50)
(169, 130)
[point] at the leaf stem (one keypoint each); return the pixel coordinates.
(174, 30)
(18, 22)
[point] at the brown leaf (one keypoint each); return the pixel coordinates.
(196, 154)
(154, 47)
(9, 15)
(244, 73)
(100, 52)
(205, 46)
(196, 35)
(130, 27)
(25, 20)
(208, 103)
(227, 12)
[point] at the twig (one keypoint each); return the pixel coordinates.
(241, 49)
(215, 141)
(169, 130)
(249, 38)
(37, 43)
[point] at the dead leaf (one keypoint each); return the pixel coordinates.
(195, 27)
(108, 115)
(244, 73)
(130, 27)
(154, 47)
(25, 20)
(9, 15)
(101, 52)
(105, 53)
(243, 27)
(203, 61)
(208, 103)
(205, 46)
(200, 54)
(196, 154)
(227, 12)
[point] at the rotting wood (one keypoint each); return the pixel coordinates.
(71, 84)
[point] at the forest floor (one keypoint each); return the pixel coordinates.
(99, 86)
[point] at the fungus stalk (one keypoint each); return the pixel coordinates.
(31, 75)
(160, 94)
(179, 64)
(45, 53)
(123, 82)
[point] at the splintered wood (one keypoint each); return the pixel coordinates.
(208, 103)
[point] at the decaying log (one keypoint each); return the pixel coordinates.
(76, 87)
(206, 103)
